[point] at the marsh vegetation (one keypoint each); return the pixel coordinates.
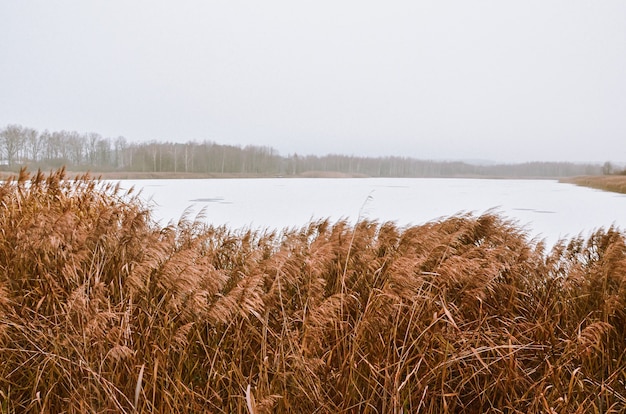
(102, 310)
(614, 183)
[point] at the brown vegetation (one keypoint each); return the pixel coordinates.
(615, 183)
(103, 311)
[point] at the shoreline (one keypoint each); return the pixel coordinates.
(612, 183)
(136, 175)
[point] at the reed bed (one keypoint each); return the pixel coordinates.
(614, 183)
(102, 311)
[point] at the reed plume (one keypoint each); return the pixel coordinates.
(102, 310)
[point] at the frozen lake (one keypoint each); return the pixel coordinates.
(545, 208)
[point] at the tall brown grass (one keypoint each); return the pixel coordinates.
(614, 183)
(101, 310)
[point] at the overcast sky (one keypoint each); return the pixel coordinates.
(497, 80)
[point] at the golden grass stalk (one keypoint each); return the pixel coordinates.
(101, 310)
(614, 183)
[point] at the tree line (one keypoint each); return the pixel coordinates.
(26, 147)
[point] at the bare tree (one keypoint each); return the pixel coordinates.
(11, 142)
(104, 152)
(120, 145)
(76, 145)
(92, 147)
(34, 141)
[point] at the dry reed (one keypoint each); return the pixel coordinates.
(614, 183)
(101, 310)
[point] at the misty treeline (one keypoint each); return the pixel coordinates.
(23, 146)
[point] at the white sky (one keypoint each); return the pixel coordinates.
(443, 79)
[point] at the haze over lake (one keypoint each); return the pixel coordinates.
(547, 208)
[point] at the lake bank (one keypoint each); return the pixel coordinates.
(613, 183)
(126, 175)
(168, 175)
(139, 175)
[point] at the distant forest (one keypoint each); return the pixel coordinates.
(26, 147)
